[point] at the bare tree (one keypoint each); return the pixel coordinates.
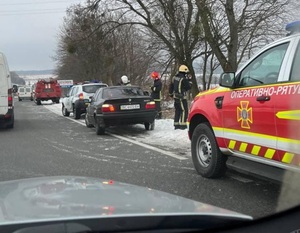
(175, 24)
(132, 37)
(92, 49)
(234, 29)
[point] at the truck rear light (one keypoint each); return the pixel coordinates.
(108, 108)
(150, 105)
(10, 97)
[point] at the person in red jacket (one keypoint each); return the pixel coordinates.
(156, 93)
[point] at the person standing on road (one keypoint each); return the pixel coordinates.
(156, 93)
(179, 86)
(124, 81)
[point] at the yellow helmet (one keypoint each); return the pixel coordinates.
(183, 69)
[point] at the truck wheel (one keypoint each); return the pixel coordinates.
(65, 111)
(57, 101)
(76, 113)
(207, 158)
(38, 102)
(11, 125)
(99, 129)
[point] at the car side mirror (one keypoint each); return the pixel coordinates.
(227, 79)
(91, 98)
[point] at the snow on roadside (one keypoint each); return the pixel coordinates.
(163, 136)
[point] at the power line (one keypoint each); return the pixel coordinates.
(34, 3)
(32, 10)
(33, 13)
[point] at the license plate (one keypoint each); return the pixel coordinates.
(130, 107)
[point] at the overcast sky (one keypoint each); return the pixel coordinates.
(28, 31)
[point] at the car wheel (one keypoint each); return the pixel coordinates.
(87, 122)
(38, 102)
(76, 113)
(152, 125)
(99, 129)
(65, 111)
(149, 126)
(207, 158)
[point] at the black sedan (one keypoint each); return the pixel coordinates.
(120, 105)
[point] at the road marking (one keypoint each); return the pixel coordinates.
(148, 147)
(168, 153)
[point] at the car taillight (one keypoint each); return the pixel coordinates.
(80, 96)
(10, 97)
(111, 182)
(150, 105)
(108, 108)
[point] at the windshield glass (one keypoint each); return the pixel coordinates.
(152, 94)
(92, 88)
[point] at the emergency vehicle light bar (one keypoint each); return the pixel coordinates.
(293, 27)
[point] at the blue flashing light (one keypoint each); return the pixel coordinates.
(293, 27)
(95, 81)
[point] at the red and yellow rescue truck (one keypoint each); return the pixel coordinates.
(254, 113)
(45, 90)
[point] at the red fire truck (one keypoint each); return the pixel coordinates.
(47, 90)
(254, 114)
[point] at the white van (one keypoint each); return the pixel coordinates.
(25, 93)
(6, 97)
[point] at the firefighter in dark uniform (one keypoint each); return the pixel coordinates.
(178, 90)
(156, 93)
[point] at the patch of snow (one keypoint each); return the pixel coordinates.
(163, 136)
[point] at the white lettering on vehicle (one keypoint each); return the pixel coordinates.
(267, 91)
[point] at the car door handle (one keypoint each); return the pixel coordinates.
(263, 98)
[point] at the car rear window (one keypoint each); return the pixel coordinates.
(92, 88)
(28, 89)
(122, 92)
(21, 89)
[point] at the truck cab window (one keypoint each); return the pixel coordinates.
(265, 68)
(295, 73)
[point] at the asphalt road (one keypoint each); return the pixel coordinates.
(46, 144)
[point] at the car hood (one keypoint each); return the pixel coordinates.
(66, 197)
